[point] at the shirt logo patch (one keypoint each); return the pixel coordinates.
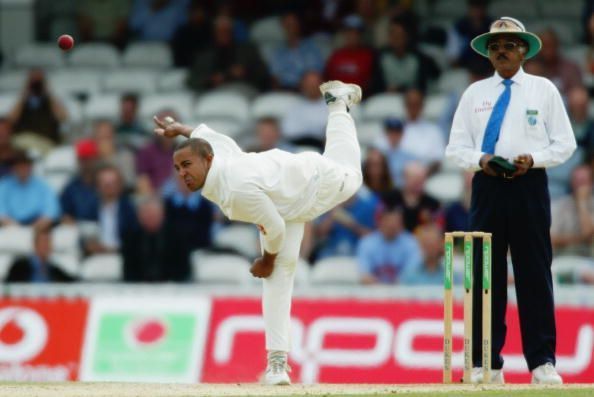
(532, 121)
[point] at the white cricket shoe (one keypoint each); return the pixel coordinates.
(277, 369)
(476, 376)
(546, 374)
(336, 90)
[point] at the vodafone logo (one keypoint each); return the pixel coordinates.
(145, 332)
(23, 334)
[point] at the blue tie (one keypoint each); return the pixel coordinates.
(496, 119)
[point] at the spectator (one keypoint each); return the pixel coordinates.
(418, 207)
(79, 199)
(130, 130)
(386, 253)
(154, 162)
(583, 129)
(268, 136)
(157, 20)
(564, 73)
(457, 213)
(104, 20)
(474, 23)
(418, 131)
(396, 157)
(115, 212)
(376, 173)
(111, 152)
(339, 231)
(193, 37)
(38, 267)
(226, 61)
(290, 61)
(38, 111)
(7, 150)
(355, 62)
(189, 222)
(26, 199)
(144, 249)
(305, 124)
(402, 66)
(431, 271)
(572, 226)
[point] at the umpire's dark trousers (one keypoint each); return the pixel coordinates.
(518, 213)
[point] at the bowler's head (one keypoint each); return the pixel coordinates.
(192, 160)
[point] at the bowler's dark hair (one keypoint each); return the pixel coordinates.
(198, 146)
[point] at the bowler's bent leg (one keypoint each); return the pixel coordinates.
(342, 148)
(278, 290)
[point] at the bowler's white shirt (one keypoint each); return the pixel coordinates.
(266, 188)
(535, 122)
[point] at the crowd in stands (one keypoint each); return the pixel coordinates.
(125, 199)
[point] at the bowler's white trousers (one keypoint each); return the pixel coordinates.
(340, 178)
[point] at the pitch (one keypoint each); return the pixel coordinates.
(82, 389)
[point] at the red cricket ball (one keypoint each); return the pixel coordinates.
(65, 42)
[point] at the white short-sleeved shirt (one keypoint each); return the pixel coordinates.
(535, 122)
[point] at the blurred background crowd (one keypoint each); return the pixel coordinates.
(87, 193)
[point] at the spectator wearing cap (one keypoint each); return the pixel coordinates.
(355, 62)
(79, 199)
(26, 199)
(7, 150)
(291, 60)
(396, 157)
(388, 252)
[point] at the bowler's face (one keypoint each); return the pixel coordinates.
(191, 168)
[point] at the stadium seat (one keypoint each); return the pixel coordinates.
(267, 30)
(181, 102)
(435, 106)
(172, 80)
(452, 9)
(5, 264)
(437, 53)
(73, 108)
(381, 106)
(16, 240)
(523, 10)
(67, 262)
(578, 54)
(275, 104)
(65, 239)
(102, 267)
(147, 55)
(57, 181)
(61, 159)
(76, 82)
(335, 270)
(7, 102)
(571, 9)
(12, 80)
(220, 268)
(46, 56)
(445, 186)
(241, 238)
(370, 133)
(94, 55)
(102, 106)
(453, 80)
(223, 105)
(128, 80)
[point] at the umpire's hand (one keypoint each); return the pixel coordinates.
(523, 163)
(484, 163)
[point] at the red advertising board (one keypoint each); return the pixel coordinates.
(41, 339)
(371, 341)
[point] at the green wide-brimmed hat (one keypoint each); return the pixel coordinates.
(510, 26)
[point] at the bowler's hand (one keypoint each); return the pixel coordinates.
(171, 128)
(523, 163)
(484, 163)
(262, 268)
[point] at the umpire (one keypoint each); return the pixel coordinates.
(509, 128)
